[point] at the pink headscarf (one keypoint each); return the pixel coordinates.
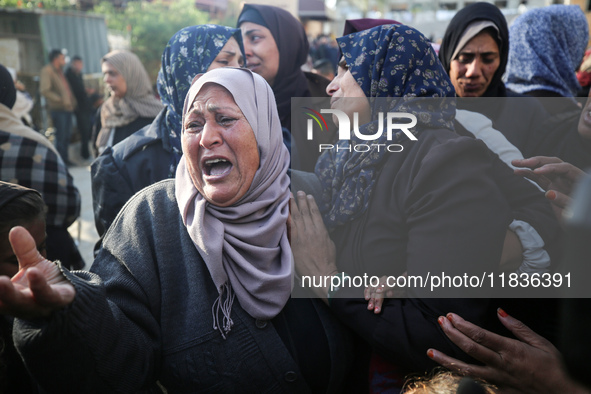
(244, 246)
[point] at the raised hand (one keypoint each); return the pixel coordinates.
(39, 287)
(313, 251)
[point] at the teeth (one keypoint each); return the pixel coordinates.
(214, 161)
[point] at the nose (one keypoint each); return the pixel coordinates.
(332, 87)
(474, 69)
(247, 48)
(210, 135)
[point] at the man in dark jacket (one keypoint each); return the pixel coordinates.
(82, 112)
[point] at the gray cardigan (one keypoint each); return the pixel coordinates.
(143, 314)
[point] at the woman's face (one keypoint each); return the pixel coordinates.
(8, 261)
(262, 54)
(473, 69)
(229, 56)
(220, 147)
(344, 86)
(114, 80)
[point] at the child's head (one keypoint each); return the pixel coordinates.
(19, 206)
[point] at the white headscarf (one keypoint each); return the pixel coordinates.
(244, 246)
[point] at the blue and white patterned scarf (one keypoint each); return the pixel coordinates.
(547, 46)
(386, 61)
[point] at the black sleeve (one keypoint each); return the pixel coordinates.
(456, 220)
(110, 190)
(556, 134)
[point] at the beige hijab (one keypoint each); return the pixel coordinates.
(139, 100)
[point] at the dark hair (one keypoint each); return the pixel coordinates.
(76, 57)
(54, 54)
(21, 210)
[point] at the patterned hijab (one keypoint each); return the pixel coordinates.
(139, 100)
(188, 53)
(386, 61)
(244, 246)
(293, 46)
(547, 46)
(466, 17)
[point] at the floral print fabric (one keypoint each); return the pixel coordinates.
(387, 61)
(188, 53)
(547, 46)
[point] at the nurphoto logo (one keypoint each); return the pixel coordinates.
(392, 125)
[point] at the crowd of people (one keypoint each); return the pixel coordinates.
(198, 282)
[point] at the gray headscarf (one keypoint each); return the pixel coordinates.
(245, 246)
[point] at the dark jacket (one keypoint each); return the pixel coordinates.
(121, 132)
(438, 206)
(545, 126)
(77, 86)
(143, 314)
(126, 168)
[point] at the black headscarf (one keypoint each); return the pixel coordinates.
(7, 89)
(293, 46)
(480, 11)
(11, 191)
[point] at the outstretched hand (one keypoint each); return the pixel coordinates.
(528, 365)
(39, 287)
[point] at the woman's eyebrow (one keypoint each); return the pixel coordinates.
(251, 31)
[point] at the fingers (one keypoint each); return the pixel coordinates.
(375, 298)
(561, 200)
(46, 295)
(535, 162)
(540, 179)
(457, 366)
(477, 342)
(304, 208)
(315, 212)
(565, 172)
(24, 247)
(521, 331)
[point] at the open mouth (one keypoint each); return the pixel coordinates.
(216, 167)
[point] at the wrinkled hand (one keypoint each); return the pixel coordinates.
(313, 250)
(553, 175)
(39, 288)
(376, 295)
(529, 365)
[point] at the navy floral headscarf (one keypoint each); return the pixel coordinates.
(547, 46)
(386, 61)
(188, 53)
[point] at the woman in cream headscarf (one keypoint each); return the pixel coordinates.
(192, 286)
(132, 104)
